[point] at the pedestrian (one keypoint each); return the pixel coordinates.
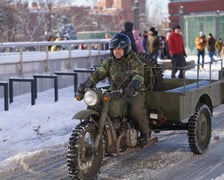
(106, 45)
(128, 28)
(166, 45)
(201, 43)
(222, 50)
(211, 47)
(138, 40)
(122, 61)
(153, 43)
(56, 47)
(177, 52)
(50, 38)
(162, 47)
(218, 47)
(145, 41)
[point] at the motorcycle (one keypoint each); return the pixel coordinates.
(105, 129)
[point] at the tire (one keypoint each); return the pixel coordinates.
(156, 76)
(83, 161)
(199, 129)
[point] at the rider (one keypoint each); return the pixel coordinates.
(126, 71)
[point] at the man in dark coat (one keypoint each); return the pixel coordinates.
(128, 27)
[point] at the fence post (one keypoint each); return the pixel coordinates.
(21, 61)
(46, 68)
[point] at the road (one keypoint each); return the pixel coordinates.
(170, 158)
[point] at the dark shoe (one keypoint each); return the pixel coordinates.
(143, 140)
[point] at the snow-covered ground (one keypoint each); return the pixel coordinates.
(25, 129)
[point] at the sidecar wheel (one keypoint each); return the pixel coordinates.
(199, 129)
(83, 160)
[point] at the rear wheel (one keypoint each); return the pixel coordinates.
(199, 129)
(83, 160)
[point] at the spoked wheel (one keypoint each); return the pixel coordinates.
(199, 129)
(83, 159)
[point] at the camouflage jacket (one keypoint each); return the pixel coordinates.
(121, 72)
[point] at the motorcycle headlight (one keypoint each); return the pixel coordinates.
(90, 98)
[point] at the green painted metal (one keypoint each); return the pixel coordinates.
(178, 106)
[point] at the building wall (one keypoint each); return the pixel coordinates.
(119, 11)
(192, 7)
(198, 15)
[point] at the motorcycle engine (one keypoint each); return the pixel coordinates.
(132, 137)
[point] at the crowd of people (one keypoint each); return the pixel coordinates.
(172, 46)
(214, 47)
(148, 42)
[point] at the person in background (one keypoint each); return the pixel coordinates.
(122, 61)
(138, 40)
(153, 43)
(201, 43)
(162, 47)
(222, 54)
(56, 47)
(218, 47)
(50, 38)
(211, 47)
(145, 41)
(128, 28)
(106, 45)
(166, 45)
(177, 52)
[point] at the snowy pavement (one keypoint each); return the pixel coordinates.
(26, 129)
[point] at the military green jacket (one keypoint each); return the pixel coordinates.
(121, 72)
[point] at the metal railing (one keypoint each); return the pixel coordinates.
(94, 47)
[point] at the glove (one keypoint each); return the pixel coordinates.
(132, 87)
(87, 84)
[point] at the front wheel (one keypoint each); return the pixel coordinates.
(199, 129)
(83, 159)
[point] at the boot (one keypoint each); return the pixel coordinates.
(143, 139)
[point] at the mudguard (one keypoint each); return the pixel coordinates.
(84, 114)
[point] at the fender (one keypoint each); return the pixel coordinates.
(84, 114)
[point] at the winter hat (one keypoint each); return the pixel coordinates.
(176, 27)
(201, 33)
(152, 29)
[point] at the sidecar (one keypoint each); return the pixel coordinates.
(186, 104)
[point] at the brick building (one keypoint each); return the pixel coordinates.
(114, 13)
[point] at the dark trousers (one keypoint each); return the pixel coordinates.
(202, 54)
(138, 112)
(178, 62)
(211, 54)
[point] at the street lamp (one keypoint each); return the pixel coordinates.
(136, 14)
